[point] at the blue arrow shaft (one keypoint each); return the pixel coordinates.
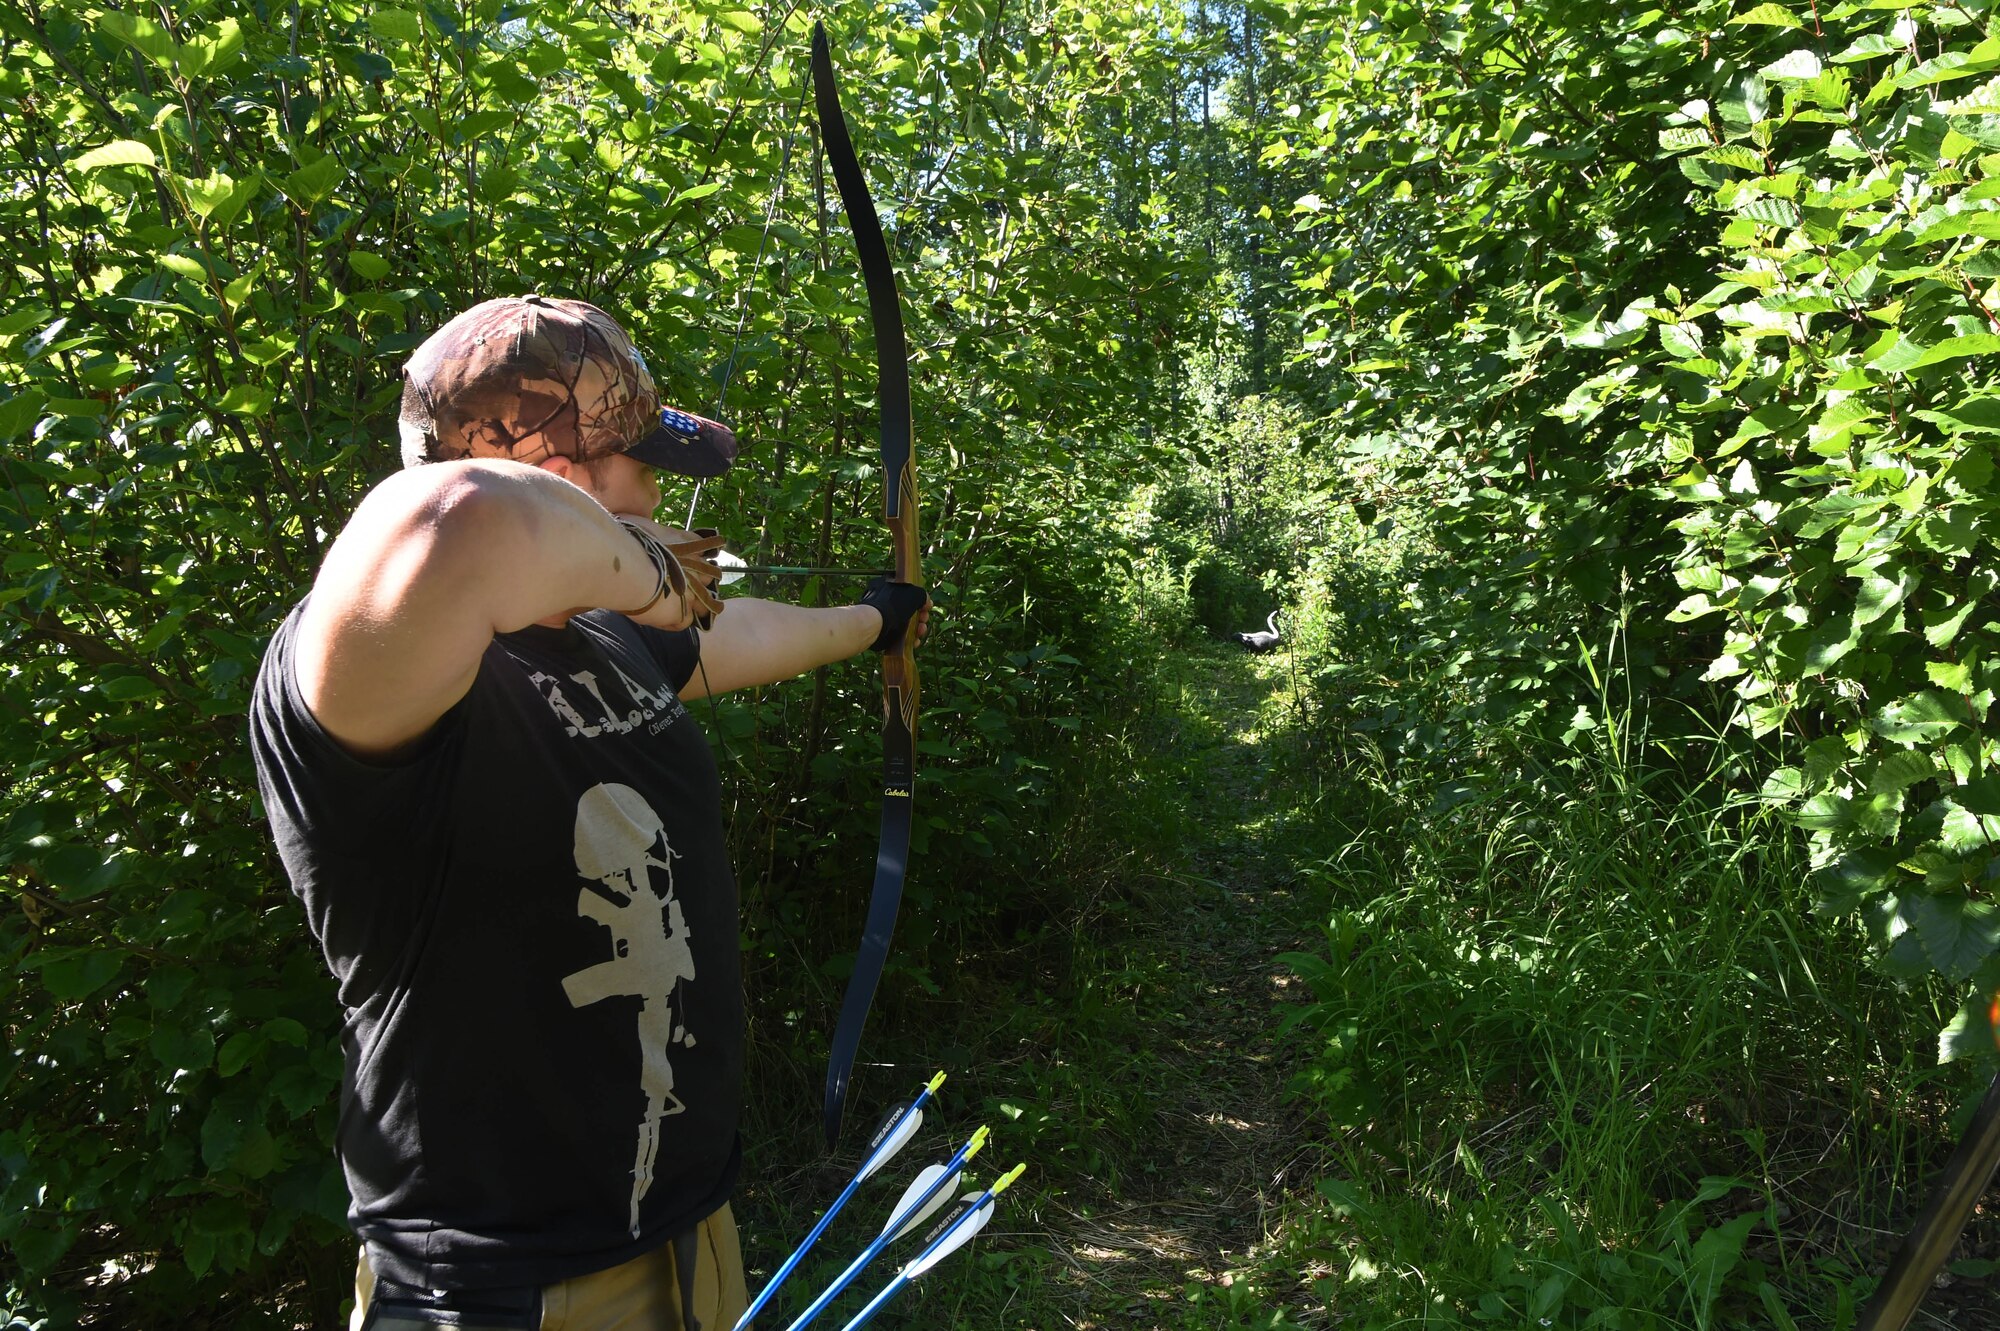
(798, 1254)
(876, 1304)
(888, 1235)
(894, 1287)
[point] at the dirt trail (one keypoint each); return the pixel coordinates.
(1225, 1144)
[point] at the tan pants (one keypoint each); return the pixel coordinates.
(641, 1295)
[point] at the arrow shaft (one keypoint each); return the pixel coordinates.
(888, 1235)
(797, 571)
(890, 1141)
(879, 1302)
(970, 1215)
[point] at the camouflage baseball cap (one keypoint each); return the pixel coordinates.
(531, 377)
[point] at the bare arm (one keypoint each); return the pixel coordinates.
(761, 642)
(435, 562)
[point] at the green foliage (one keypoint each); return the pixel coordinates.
(1684, 321)
(231, 224)
(1584, 1064)
(1236, 531)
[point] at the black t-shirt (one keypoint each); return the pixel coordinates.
(534, 928)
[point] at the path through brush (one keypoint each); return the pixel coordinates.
(1160, 1144)
(1157, 1245)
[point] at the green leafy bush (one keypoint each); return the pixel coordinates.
(1685, 321)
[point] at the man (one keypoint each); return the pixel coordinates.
(507, 833)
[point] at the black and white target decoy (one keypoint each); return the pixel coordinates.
(1264, 640)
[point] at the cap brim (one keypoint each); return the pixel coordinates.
(688, 445)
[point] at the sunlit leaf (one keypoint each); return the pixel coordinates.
(214, 51)
(312, 184)
(246, 400)
(1768, 15)
(141, 34)
(402, 26)
(119, 152)
(1923, 716)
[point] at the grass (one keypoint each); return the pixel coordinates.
(1581, 1055)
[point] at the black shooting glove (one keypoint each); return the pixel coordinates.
(896, 602)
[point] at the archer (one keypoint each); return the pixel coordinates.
(507, 832)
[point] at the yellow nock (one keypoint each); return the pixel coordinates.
(936, 1082)
(978, 1140)
(1007, 1179)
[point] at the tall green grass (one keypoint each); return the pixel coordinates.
(1584, 1057)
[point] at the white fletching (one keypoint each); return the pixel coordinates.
(953, 1241)
(931, 1174)
(732, 567)
(899, 1137)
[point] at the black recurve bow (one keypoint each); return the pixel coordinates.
(899, 668)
